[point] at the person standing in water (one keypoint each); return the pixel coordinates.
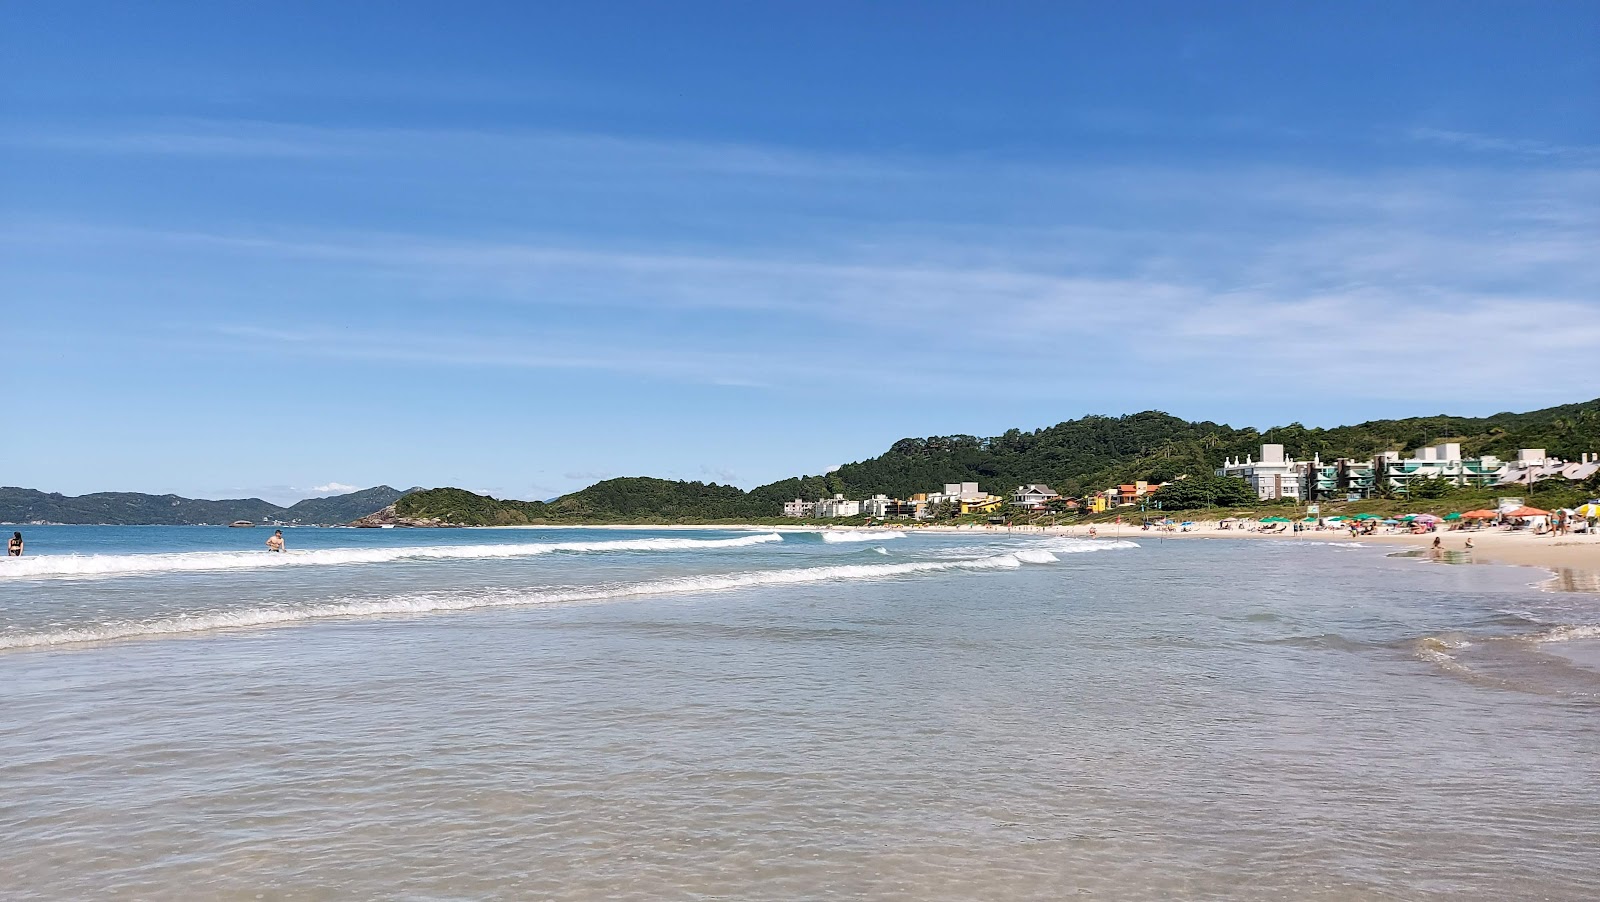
(275, 541)
(14, 547)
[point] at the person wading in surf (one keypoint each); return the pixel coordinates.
(275, 541)
(14, 547)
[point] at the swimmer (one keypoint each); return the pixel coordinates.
(275, 541)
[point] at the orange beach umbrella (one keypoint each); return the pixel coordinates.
(1480, 515)
(1528, 512)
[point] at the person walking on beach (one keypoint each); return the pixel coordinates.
(14, 547)
(275, 541)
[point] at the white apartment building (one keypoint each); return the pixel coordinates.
(837, 506)
(798, 508)
(1275, 475)
(878, 506)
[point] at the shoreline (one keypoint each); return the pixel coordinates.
(1574, 559)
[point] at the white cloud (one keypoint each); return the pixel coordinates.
(335, 488)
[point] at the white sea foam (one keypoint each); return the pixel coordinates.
(178, 562)
(862, 536)
(430, 602)
(1568, 633)
(1081, 546)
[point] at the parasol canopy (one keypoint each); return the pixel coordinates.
(1453, 515)
(1480, 515)
(1528, 512)
(1592, 509)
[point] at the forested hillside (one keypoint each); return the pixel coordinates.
(1073, 457)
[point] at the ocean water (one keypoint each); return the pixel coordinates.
(650, 714)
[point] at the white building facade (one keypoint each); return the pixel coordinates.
(837, 506)
(1275, 475)
(798, 508)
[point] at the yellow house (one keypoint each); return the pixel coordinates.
(985, 506)
(1097, 504)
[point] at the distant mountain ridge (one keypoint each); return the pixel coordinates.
(18, 505)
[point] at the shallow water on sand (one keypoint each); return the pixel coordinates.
(926, 717)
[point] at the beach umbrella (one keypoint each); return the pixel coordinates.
(1274, 519)
(1426, 518)
(1409, 517)
(1528, 512)
(1366, 516)
(1389, 522)
(1453, 515)
(1337, 519)
(1480, 515)
(1592, 509)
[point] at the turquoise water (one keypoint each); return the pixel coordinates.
(650, 714)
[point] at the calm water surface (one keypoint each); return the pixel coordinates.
(597, 714)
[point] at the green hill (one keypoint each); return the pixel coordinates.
(1074, 457)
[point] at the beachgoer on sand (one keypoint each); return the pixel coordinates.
(275, 541)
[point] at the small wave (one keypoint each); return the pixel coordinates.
(429, 603)
(1567, 634)
(862, 536)
(198, 561)
(1082, 546)
(880, 550)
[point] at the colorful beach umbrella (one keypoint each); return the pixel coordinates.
(1366, 516)
(1453, 515)
(1592, 509)
(1528, 512)
(1274, 519)
(1480, 515)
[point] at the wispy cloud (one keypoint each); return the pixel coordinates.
(448, 147)
(1525, 147)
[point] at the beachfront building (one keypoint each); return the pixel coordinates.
(837, 506)
(798, 508)
(1532, 465)
(1131, 493)
(1033, 496)
(886, 508)
(1441, 461)
(988, 504)
(1275, 475)
(1391, 473)
(877, 506)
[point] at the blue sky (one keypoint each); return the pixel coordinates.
(275, 249)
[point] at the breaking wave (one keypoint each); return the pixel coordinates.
(432, 602)
(862, 536)
(1079, 546)
(199, 561)
(1566, 634)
